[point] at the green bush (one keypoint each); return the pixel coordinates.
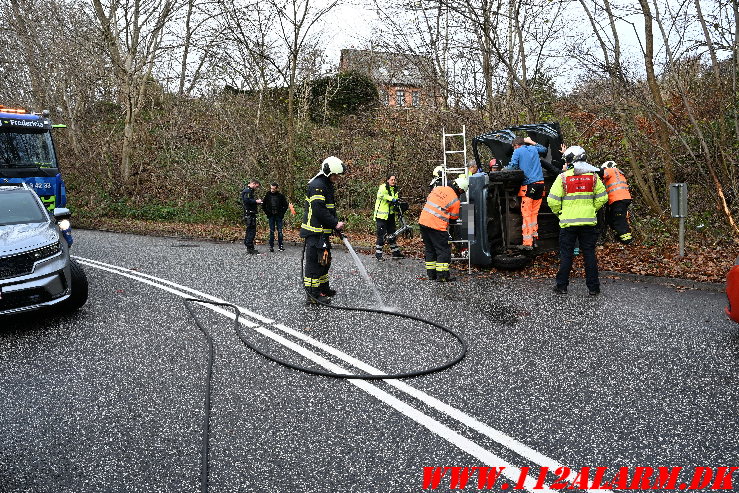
(335, 96)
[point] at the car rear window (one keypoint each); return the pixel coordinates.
(20, 208)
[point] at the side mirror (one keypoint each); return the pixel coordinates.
(62, 213)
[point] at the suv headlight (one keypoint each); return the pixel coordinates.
(64, 224)
(47, 251)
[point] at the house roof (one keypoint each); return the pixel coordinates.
(389, 68)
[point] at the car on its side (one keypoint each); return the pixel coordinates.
(36, 271)
(732, 292)
(497, 207)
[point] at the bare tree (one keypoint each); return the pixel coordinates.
(50, 58)
(199, 38)
(133, 31)
(297, 20)
(711, 158)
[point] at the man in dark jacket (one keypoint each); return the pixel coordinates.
(275, 205)
(250, 214)
(319, 221)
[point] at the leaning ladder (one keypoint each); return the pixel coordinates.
(466, 222)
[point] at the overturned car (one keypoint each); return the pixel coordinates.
(493, 214)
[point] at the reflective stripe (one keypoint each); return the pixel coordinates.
(433, 213)
(442, 267)
(613, 189)
(431, 265)
(311, 228)
(602, 194)
(555, 197)
(579, 197)
(446, 207)
(578, 220)
(316, 197)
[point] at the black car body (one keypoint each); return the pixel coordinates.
(494, 205)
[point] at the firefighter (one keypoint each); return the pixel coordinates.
(442, 207)
(250, 214)
(576, 197)
(385, 206)
(437, 180)
(319, 221)
(619, 200)
(526, 158)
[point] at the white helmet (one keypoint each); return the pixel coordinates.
(574, 153)
(438, 171)
(462, 182)
(608, 164)
(332, 166)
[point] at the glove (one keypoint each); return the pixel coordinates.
(394, 201)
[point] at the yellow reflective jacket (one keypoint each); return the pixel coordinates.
(577, 198)
(385, 195)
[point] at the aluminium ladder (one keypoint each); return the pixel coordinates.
(465, 222)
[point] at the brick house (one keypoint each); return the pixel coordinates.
(402, 80)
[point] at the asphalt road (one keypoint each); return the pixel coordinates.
(111, 398)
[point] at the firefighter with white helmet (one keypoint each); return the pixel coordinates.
(437, 180)
(319, 222)
(619, 200)
(574, 154)
(441, 208)
(575, 197)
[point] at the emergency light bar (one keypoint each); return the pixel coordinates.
(16, 111)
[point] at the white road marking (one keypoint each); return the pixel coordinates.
(436, 427)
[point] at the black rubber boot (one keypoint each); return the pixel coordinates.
(314, 297)
(327, 291)
(444, 277)
(431, 274)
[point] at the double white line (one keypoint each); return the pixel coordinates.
(465, 444)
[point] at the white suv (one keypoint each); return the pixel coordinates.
(35, 268)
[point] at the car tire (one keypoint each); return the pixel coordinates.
(515, 261)
(507, 176)
(79, 287)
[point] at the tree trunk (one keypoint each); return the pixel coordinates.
(662, 129)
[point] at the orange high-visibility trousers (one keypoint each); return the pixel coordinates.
(529, 215)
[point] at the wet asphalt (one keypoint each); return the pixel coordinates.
(111, 398)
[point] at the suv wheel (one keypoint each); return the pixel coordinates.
(514, 261)
(79, 288)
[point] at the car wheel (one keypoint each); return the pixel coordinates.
(507, 176)
(79, 288)
(515, 261)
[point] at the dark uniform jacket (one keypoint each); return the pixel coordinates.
(248, 201)
(274, 204)
(319, 216)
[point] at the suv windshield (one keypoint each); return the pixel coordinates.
(26, 150)
(19, 208)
